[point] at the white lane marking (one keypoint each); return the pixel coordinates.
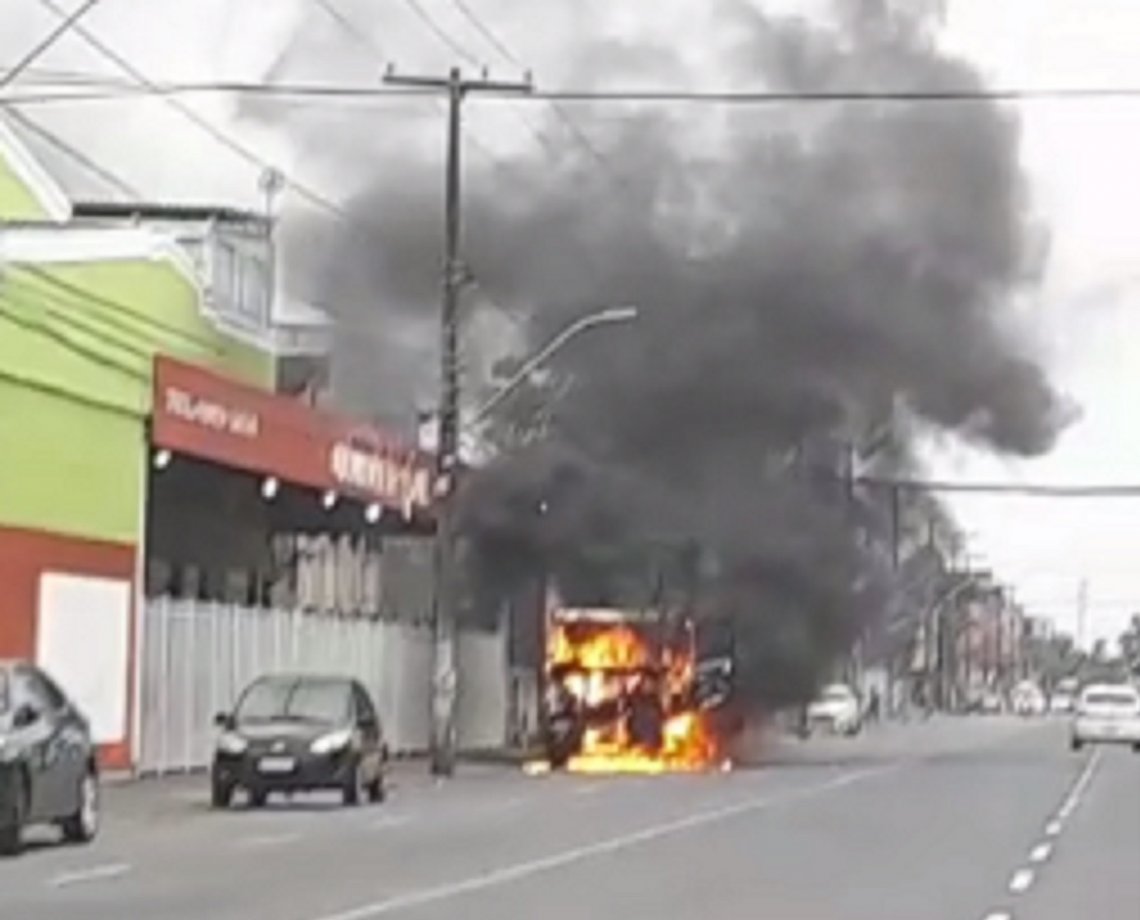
(1000, 915)
(591, 789)
(1073, 799)
(1040, 853)
(267, 840)
(1021, 881)
(513, 873)
(391, 821)
(1053, 828)
(94, 874)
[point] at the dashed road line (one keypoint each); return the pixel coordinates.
(268, 840)
(390, 821)
(516, 871)
(1073, 799)
(93, 874)
(1021, 881)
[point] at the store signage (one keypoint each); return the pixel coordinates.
(364, 470)
(203, 414)
(210, 414)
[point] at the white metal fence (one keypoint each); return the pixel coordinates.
(196, 658)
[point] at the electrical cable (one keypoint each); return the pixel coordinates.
(38, 327)
(312, 196)
(76, 155)
(374, 47)
(85, 296)
(69, 21)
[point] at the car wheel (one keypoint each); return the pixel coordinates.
(83, 825)
(1136, 748)
(258, 798)
(221, 793)
(12, 833)
(1076, 744)
(355, 787)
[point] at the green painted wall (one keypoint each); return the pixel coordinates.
(77, 347)
(17, 201)
(77, 344)
(68, 467)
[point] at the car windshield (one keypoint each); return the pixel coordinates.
(325, 701)
(837, 695)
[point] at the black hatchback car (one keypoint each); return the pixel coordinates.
(48, 771)
(296, 733)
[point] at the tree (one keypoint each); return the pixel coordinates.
(1130, 645)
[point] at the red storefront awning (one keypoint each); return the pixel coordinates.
(203, 414)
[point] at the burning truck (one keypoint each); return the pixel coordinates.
(624, 693)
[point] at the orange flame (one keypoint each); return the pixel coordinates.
(600, 664)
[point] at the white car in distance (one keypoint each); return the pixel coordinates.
(837, 710)
(1028, 700)
(1107, 714)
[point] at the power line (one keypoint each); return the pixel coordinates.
(87, 325)
(349, 26)
(441, 33)
(560, 112)
(310, 195)
(51, 75)
(367, 41)
(152, 88)
(483, 29)
(768, 97)
(69, 22)
(85, 297)
(77, 155)
(41, 328)
(332, 91)
(1033, 490)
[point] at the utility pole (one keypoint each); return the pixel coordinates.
(444, 581)
(1082, 611)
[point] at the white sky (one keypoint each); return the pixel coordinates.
(1081, 157)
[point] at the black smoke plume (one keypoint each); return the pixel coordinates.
(802, 272)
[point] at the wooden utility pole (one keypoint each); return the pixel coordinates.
(444, 583)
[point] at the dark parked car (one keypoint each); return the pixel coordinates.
(299, 733)
(48, 772)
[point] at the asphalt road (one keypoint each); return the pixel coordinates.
(956, 819)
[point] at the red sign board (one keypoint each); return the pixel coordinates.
(200, 413)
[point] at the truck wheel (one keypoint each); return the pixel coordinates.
(1076, 744)
(221, 793)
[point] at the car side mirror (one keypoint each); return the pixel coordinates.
(367, 724)
(26, 716)
(224, 720)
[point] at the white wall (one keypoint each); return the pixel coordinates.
(83, 642)
(197, 657)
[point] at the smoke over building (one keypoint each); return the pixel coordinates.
(801, 269)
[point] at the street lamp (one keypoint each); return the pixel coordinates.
(624, 314)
